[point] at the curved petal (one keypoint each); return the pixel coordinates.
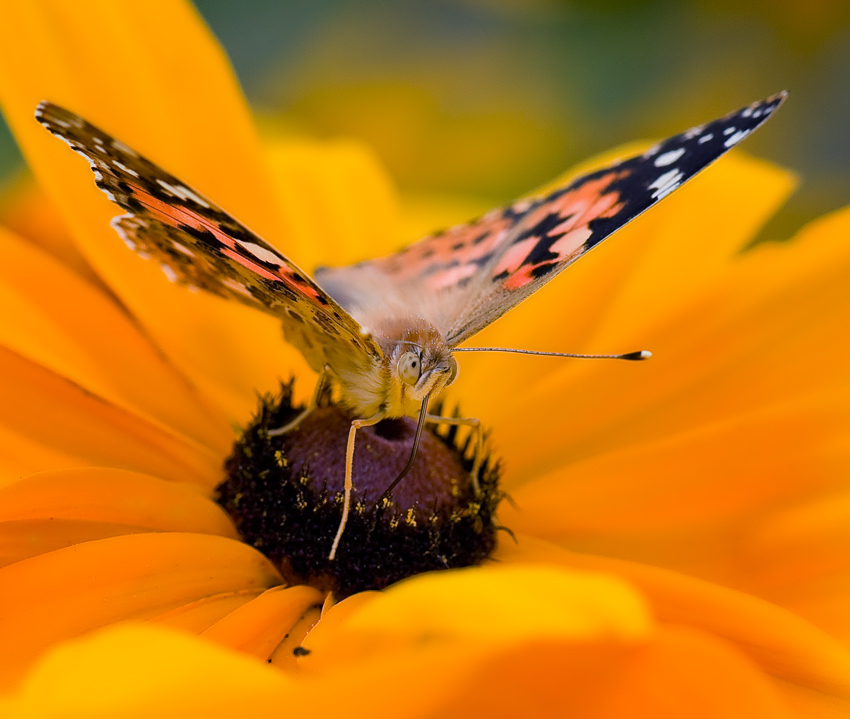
(53, 510)
(71, 423)
(62, 594)
(522, 641)
(141, 671)
(260, 625)
(338, 199)
(783, 645)
(64, 324)
(799, 557)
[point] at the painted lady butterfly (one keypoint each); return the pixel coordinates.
(383, 331)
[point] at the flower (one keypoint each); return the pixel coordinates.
(681, 525)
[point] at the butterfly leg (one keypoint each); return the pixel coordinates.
(475, 426)
(349, 469)
(321, 383)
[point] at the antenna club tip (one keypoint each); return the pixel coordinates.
(637, 356)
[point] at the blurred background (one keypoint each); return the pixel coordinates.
(490, 98)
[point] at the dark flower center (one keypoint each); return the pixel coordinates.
(285, 494)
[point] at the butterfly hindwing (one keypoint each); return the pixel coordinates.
(484, 268)
(200, 245)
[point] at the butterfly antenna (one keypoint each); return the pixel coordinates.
(422, 413)
(632, 356)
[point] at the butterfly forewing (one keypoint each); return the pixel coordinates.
(200, 245)
(484, 268)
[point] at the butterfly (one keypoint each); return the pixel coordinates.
(383, 332)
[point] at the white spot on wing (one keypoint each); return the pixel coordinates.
(668, 158)
(181, 248)
(736, 138)
(728, 130)
(121, 147)
(183, 192)
(116, 225)
(705, 138)
(261, 253)
(521, 206)
(122, 166)
(236, 286)
(666, 183)
(169, 272)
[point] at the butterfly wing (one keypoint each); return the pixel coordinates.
(200, 245)
(484, 268)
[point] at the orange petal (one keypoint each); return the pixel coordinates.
(338, 198)
(284, 656)
(257, 627)
(26, 211)
(64, 593)
(674, 674)
(63, 323)
(63, 417)
(521, 641)
(137, 672)
(686, 501)
(52, 510)
(479, 604)
(181, 107)
(799, 557)
(782, 644)
(200, 615)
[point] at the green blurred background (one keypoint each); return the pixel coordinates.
(490, 98)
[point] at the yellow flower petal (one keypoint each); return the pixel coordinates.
(200, 615)
(338, 199)
(471, 603)
(260, 625)
(782, 644)
(799, 557)
(526, 641)
(680, 501)
(62, 594)
(26, 211)
(63, 417)
(64, 324)
(168, 674)
(53, 510)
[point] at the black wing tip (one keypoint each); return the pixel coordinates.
(763, 109)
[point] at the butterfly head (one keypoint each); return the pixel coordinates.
(419, 364)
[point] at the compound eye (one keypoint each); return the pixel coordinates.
(452, 372)
(410, 368)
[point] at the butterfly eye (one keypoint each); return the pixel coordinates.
(409, 367)
(452, 372)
